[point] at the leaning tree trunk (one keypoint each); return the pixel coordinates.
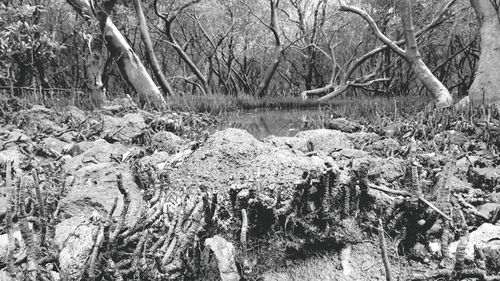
(150, 54)
(127, 60)
(423, 73)
(486, 85)
(410, 54)
(94, 68)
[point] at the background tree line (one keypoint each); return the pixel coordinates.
(235, 47)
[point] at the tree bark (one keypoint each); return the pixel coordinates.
(150, 55)
(127, 60)
(486, 85)
(278, 51)
(423, 73)
(410, 54)
(94, 69)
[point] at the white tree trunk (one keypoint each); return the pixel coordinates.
(127, 60)
(486, 85)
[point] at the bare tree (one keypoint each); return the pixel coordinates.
(410, 54)
(278, 50)
(127, 60)
(150, 54)
(486, 85)
(168, 19)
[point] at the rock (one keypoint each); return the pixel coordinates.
(95, 152)
(484, 178)
(74, 115)
(459, 185)
(464, 163)
(225, 254)
(389, 169)
(38, 119)
(166, 141)
(489, 209)
(487, 236)
(123, 129)
(326, 140)
(495, 197)
(77, 248)
(4, 244)
(361, 140)
(294, 143)
(95, 182)
(450, 137)
(53, 144)
(65, 228)
(5, 276)
(343, 125)
(95, 188)
(385, 147)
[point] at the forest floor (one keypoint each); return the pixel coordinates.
(121, 194)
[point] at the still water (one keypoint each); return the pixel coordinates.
(262, 123)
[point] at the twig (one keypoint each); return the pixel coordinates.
(390, 191)
(383, 250)
(243, 241)
(31, 252)
(8, 221)
(123, 214)
(41, 205)
(95, 253)
(434, 208)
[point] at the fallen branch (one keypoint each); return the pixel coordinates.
(123, 214)
(383, 250)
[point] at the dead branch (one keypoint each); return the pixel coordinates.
(383, 250)
(123, 214)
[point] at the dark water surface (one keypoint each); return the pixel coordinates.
(262, 123)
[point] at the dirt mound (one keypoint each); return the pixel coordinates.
(233, 156)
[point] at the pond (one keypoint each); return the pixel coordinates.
(262, 123)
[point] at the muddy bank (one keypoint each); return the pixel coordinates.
(128, 194)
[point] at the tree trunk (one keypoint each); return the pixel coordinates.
(127, 60)
(486, 85)
(423, 73)
(150, 55)
(278, 50)
(94, 68)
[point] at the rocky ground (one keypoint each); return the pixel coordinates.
(123, 194)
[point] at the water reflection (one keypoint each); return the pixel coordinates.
(263, 123)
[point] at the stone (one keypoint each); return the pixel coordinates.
(166, 141)
(123, 129)
(77, 248)
(484, 178)
(95, 182)
(343, 125)
(225, 253)
(495, 197)
(65, 228)
(489, 209)
(464, 163)
(362, 140)
(389, 169)
(385, 147)
(95, 188)
(53, 144)
(326, 140)
(4, 244)
(486, 236)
